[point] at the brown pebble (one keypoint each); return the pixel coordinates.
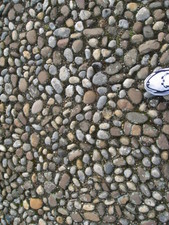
(31, 37)
(23, 85)
(89, 97)
(43, 76)
(62, 43)
(135, 95)
(36, 203)
(34, 139)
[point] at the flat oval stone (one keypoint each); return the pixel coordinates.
(43, 77)
(23, 85)
(31, 37)
(62, 32)
(93, 32)
(136, 118)
(37, 106)
(99, 79)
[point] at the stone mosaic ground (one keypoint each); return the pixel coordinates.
(81, 142)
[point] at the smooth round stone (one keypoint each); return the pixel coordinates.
(69, 91)
(23, 85)
(14, 35)
(99, 79)
(64, 74)
(79, 26)
(52, 70)
(37, 107)
(43, 76)
(68, 54)
(78, 60)
(77, 46)
(29, 26)
(89, 97)
(143, 14)
(101, 102)
(84, 14)
(123, 24)
(103, 135)
(8, 88)
(52, 42)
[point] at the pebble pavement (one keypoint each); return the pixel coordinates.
(81, 142)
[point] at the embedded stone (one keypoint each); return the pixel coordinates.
(36, 203)
(89, 97)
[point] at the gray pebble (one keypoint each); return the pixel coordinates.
(143, 14)
(62, 32)
(101, 102)
(99, 79)
(103, 135)
(68, 54)
(123, 24)
(98, 169)
(52, 41)
(56, 84)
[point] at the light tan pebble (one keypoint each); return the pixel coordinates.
(69, 22)
(93, 42)
(2, 108)
(92, 129)
(105, 53)
(164, 48)
(26, 54)
(40, 190)
(26, 109)
(79, 164)
(75, 35)
(158, 26)
(118, 113)
(143, 209)
(119, 179)
(143, 107)
(2, 61)
(10, 61)
(152, 113)
(164, 155)
(51, 101)
(34, 139)
(96, 54)
(74, 80)
(48, 33)
(43, 133)
(58, 120)
(132, 6)
(44, 96)
(88, 207)
(35, 50)
(111, 95)
(41, 222)
(131, 186)
(25, 204)
(107, 114)
(40, 15)
(125, 140)
(71, 136)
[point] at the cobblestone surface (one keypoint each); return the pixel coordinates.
(81, 142)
